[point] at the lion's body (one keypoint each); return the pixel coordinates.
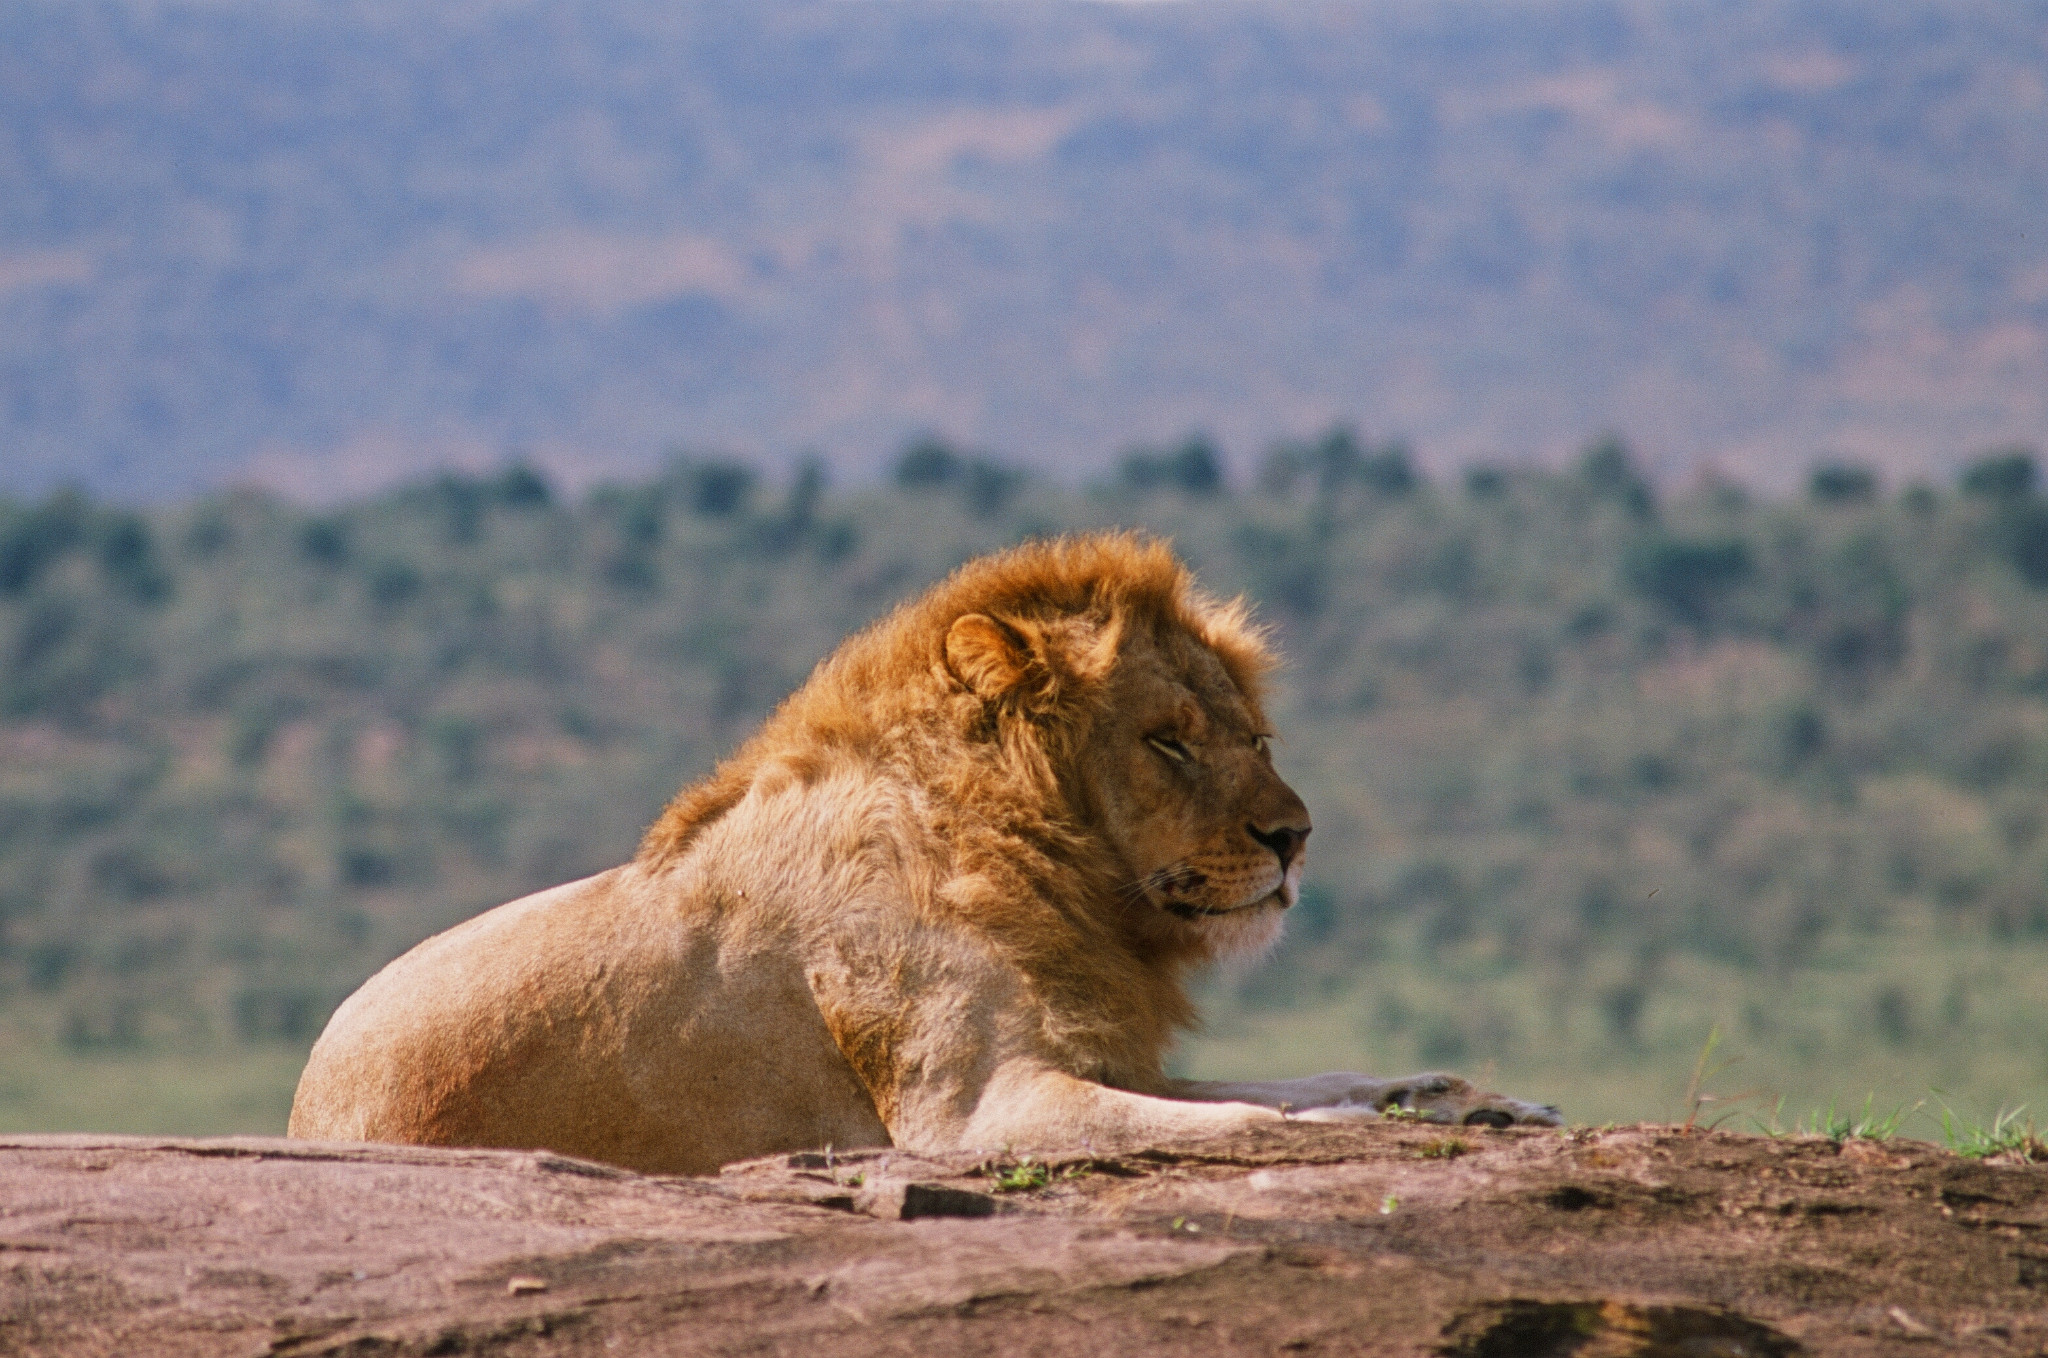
(671, 1050)
(937, 901)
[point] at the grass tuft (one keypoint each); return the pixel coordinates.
(2005, 1138)
(1028, 1175)
(1025, 1176)
(1837, 1125)
(1868, 1125)
(1704, 1071)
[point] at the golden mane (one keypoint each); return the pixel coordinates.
(893, 675)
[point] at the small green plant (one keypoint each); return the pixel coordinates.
(1394, 1112)
(1443, 1148)
(1705, 1070)
(1026, 1176)
(1774, 1126)
(1869, 1125)
(2005, 1137)
(1388, 1204)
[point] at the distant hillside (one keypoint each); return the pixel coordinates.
(323, 245)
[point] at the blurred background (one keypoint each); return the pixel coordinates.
(429, 435)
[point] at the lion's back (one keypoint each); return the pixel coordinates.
(395, 1059)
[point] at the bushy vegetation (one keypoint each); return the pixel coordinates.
(1593, 767)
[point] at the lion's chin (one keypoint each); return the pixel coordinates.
(1248, 933)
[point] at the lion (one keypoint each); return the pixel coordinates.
(947, 898)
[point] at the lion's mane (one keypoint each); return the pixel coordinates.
(1003, 793)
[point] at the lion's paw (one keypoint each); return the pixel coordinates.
(1436, 1098)
(1498, 1110)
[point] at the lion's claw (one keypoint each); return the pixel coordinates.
(1506, 1112)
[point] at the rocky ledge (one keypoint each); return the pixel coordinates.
(1387, 1239)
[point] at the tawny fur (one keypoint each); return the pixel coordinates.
(947, 896)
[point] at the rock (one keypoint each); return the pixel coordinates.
(903, 1200)
(1375, 1239)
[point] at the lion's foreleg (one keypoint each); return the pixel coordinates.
(1330, 1090)
(1033, 1107)
(1341, 1095)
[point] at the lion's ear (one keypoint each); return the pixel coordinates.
(988, 657)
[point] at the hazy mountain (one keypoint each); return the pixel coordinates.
(320, 244)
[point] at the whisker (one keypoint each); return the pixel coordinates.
(1135, 891)
(1140, 885)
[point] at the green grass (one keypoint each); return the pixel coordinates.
(1841, 1125)
(1023, 1177)
(1799, 1039)
(2004, 1136)
(189, 1093)
(1807, 1035)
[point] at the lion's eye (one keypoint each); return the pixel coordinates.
(1172, 749)
(1263, 744)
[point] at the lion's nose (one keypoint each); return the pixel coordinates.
(1285, 841)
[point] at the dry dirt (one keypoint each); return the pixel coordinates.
(1389, 1239)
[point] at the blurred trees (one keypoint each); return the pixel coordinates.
(248, 753)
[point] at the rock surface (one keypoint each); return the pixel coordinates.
(1387, 1239)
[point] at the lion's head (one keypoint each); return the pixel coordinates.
(1086, 684)
(1167, 752)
